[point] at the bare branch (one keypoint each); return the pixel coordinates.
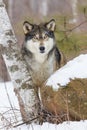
(29, 121)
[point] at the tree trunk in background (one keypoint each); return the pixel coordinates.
(34, 5)
(17, 68)
(74, 11)
(10, 7)
(43, 8)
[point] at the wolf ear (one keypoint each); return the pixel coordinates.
(27, 27)
(51, 25)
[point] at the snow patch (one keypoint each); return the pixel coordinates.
(75, 68)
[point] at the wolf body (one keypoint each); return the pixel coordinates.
(40, 51)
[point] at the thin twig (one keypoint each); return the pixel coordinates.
(10, 110)
(10, 102)
(7, 91)
(6, 119)
(70, 30)
(25, 122)
(67, 106)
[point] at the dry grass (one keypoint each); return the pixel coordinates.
(70, 101)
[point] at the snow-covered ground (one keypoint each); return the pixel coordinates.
(82, 125)
(76, 68)
(9, 108)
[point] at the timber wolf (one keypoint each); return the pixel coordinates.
(40, 51)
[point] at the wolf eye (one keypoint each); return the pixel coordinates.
(35, 38)
(45, 36)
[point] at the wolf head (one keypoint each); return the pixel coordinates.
(39, 39)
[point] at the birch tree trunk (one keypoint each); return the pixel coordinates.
(10, 7)
(17, 68)
(74, 11)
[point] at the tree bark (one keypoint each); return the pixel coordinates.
(17, 68)
(10, 7)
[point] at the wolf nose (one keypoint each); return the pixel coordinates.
(42, 48)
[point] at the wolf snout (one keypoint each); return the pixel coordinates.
(42, 49)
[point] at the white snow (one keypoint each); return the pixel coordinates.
(76, 68)
(82, 125)
(9, 108)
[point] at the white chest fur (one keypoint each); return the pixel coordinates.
(41, 68)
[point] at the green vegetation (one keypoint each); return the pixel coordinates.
(71, 44)
(71, 41)
(82, 8)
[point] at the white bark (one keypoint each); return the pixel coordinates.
(17, 68)
(74, 8)
(33, 4)
(43, 7)
(10, 8)
(74, 11)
